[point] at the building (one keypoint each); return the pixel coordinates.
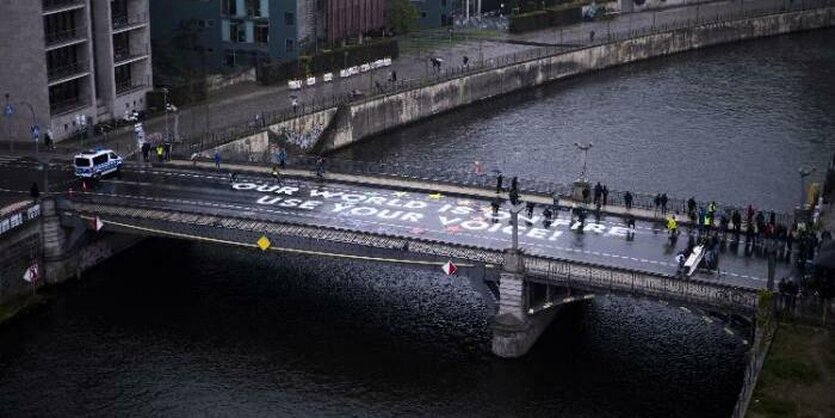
(223, 34)
(68, 60)
(434, 13)
(350, 18)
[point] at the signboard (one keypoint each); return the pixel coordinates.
(32, 273)
(8, 110)
(449, 268)
(36, 132)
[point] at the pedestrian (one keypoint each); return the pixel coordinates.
(167, 147)
(295, 104)
(160, 152)
(34, 192)
(194, 158)
(598, 190)
(630, 223)
(530, 207)
(217, 159)
(393, 77)
(627, 200)
(276, 175)
(591, 36)
(282, 158)
(466, 61)
(736, 218)
(514, 196)
(499, 180)
(514, 183)
(146, 151)
(320, 167)
(657, 202)
(672, 226)
(47, 139)
(691, 207)
(605, 194)
(664, 201)
(586, 193)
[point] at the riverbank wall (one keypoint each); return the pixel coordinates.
(376, 115)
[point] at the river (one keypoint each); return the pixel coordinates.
(178, 328)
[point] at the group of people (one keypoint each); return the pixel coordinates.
(162, 151)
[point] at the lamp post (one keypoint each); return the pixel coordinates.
(585, 150)
(8, 111)
(81, 123)
(582, 183)
(165, 101)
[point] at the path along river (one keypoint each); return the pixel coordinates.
(175, 328)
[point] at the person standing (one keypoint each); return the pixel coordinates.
(605, 192)
(499, 180)
(217, 159)
(664, 201)
(160, 152)
(598, 190)
(282, 158)
(627, 200)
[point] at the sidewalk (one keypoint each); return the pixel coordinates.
(239, 104)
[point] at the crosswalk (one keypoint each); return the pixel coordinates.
(6, 160)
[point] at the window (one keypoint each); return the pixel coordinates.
(237, 32)
(289, 18)
(81, 162)
(100, 159)
(262, 34)
(288, 45)
(229, 7)
(253, 7)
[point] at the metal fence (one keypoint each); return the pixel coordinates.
(248, 126)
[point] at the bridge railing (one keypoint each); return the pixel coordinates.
(247, 126)
(596, 277)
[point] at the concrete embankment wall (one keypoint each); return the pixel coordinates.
(379, 114)
(301, 133)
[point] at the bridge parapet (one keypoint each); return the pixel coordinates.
(597, 278)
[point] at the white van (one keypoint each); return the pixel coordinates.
(95, 164)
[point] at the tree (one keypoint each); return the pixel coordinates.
(401, 16)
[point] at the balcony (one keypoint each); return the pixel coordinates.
(124, 56)
(68, 72)
(55, 6)
(67, 106)
(58, 39)
(122, 23)
(125, 87)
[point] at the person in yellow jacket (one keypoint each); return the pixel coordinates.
(672, 225)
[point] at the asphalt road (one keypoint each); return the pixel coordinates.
(431, 215)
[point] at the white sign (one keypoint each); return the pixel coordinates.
(32, 273)
(98, 224)
(449, 268)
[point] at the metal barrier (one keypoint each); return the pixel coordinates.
(19, 217)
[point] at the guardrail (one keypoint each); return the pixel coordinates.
(18, 217)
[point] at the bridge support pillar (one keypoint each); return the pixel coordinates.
(515, 330)
(58, 265)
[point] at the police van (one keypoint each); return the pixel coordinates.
(95, 164)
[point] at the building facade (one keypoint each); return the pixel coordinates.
(349, 18)
(72, 63)
(434, 13)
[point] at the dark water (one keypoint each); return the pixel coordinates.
(178, 328)
(175, 328)
(731, 123)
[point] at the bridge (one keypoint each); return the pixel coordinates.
(423, 224)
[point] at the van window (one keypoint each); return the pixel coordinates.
(113, 156)
(82, 162)
(100, 159)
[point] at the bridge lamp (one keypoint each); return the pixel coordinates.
(584, 149)
(804, 172)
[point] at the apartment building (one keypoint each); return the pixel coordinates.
(68, 60)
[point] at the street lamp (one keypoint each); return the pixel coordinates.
(81, 122)
(804, 172)
(585, 150)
